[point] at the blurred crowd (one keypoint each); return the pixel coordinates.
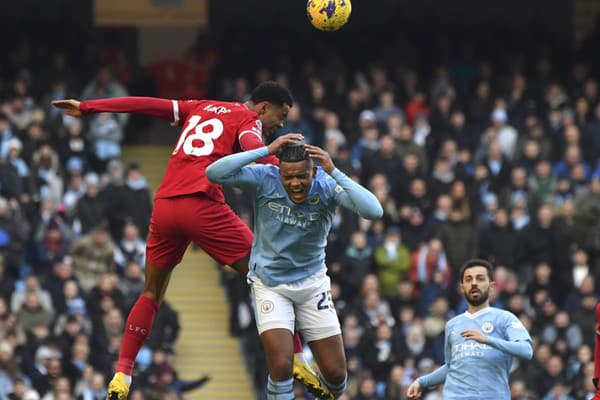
(469, 160)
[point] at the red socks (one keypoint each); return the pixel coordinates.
(297, 343)
(137, 329)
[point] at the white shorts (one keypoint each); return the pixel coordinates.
(305, 305)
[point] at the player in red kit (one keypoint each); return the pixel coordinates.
(187, 206)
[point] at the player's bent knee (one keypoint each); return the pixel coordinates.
(281, 368)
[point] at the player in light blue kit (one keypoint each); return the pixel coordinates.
(293, 208)
(479, 344)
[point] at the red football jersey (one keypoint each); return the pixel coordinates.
(211, 129)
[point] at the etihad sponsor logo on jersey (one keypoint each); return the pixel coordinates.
(285, 215)
(469, 349)
(217, 109)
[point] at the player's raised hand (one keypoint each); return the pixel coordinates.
(474, 334)
(69, 107)
(414, 391)
(284, 140)
(320, 155)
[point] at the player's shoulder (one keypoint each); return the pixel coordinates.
(502, 317)
(225, 109)
(499, 311)
(457, 319)
(503, 314)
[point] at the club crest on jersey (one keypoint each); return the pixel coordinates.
(267, 306)
(314, 200)
(487, 327)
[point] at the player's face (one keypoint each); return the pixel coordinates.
(476, 285)
(297, 179)
(272, 117)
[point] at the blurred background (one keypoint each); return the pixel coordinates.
(476, 124)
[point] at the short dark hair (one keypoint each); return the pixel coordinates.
(294, 152)
(477, 262)
(273, 92)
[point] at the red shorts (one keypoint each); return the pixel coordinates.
(211, 225)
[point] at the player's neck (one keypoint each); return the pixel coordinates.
(473, 309)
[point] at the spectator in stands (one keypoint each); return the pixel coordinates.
(105, 82)
(131, 248)
(391, 261)
(93, 255)
(355, 264)
(139, 207)
(74, 145)
(118, 200)
(32, 285)
(105, 137)
(7, 283)
(31, 313)
(90, 208)
(131, 284)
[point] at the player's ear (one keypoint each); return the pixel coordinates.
(314, 170)
(262, 107)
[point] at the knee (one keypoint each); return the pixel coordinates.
(281, 368)
(335, 376)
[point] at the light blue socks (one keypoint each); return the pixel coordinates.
(283, 390)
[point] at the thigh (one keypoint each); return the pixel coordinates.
(217, 230)
(166, 242)
(316, 317)
(272, 310)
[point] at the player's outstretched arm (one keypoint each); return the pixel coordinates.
(160, 108)
(353, 196)
(230, 170)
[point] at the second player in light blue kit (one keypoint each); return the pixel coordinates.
(479, 344)
(294, 205)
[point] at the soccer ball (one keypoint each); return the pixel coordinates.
(328, 15)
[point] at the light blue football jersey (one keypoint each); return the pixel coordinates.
(290, 239)
(479, 368)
